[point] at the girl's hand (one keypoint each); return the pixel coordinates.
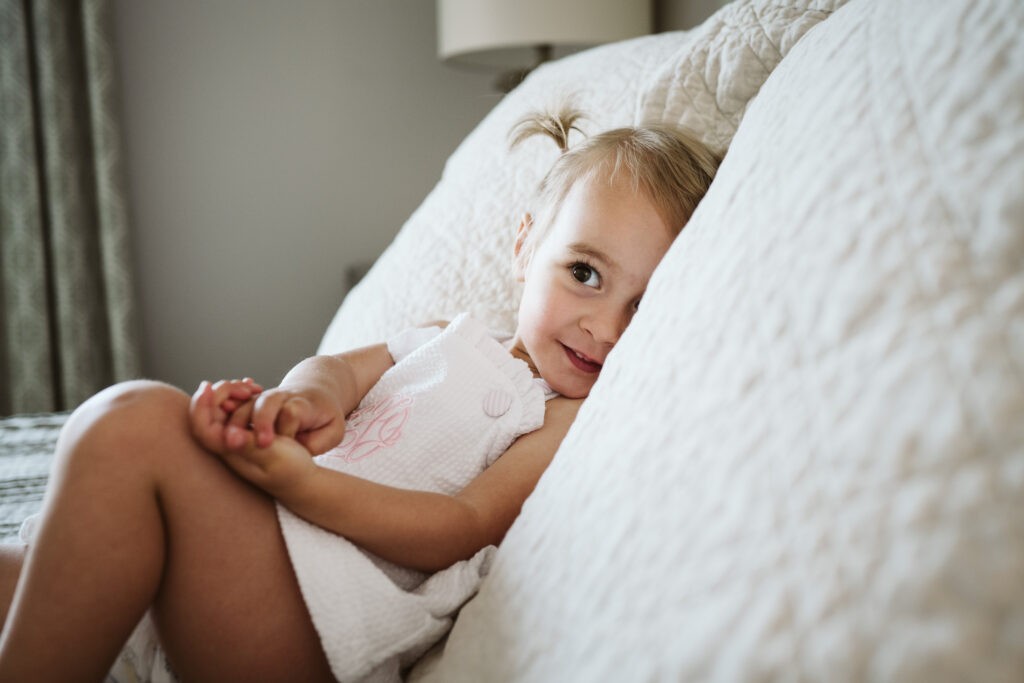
(309, 416)
(213, 404)
(284, 469)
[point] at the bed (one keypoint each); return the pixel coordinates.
(26, 448)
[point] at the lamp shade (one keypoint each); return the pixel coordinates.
(506, 33)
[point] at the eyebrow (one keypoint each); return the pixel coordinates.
(593, 252)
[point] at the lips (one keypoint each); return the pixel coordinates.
(581, 362)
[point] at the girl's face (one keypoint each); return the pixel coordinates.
(584, 281)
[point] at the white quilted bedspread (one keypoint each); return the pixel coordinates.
(805, 458)
(455, 252)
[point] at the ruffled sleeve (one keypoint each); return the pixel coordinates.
(516, 370)
(407, 341)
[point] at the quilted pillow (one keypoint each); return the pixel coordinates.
(805, 458)
(454, 253)
(709, 81)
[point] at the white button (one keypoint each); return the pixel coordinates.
(497, 402)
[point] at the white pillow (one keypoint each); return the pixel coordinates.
(805, 458)
(454, 253)
(709, 81)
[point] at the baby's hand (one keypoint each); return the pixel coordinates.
(213, 405)
(284, 469)
(309, 416)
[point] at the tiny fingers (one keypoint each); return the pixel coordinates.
(208, 403)
(324, 438)
(242, 389)
(239, 436)
(257, 387)
(198, 405)
(242, 392)
(199, 394)
(220, 413)
(236, 438)
(264, 417)
(205, 418)
(288, 420)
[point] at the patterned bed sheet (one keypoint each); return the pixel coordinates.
(26, 453)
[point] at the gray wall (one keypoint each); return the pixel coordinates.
(269, 145)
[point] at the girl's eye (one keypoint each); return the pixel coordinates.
(585, 274)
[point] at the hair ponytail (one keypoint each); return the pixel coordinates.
(554, 125)
(669, 165)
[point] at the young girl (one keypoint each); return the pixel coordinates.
(257, 561)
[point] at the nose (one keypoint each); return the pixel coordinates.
(606, 323)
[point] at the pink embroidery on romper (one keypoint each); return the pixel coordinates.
(372, 428)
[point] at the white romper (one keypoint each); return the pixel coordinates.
(454, 401)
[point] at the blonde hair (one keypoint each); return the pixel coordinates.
(670, 166)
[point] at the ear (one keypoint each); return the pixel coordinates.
(521, 259)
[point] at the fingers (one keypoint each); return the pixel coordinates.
(241, 391)
(208, 402)
(198, 405)
(279, 412)
(325, 438)
(211, 407)
(264, 417)
(242, 415)
(241, 406)
(237, 438)
(205, 417)
(289, 420)
(237, 432)
(231, 393)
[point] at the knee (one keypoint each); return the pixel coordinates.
(144, 394)
(136, 399)
(124, 412)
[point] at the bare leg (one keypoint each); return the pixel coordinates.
(11, 559)
(138, 515)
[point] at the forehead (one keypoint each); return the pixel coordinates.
(610, 210)
(612, 217)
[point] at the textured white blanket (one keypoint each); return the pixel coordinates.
(805, 459)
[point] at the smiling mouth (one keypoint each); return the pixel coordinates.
(581, 362)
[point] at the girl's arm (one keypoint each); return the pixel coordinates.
(425, 531)
(310, 404)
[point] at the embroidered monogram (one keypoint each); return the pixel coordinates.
(372, 428)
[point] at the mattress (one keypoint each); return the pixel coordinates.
(26, 451)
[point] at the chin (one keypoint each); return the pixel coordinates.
(573, 390)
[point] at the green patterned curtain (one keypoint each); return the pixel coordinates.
(67, 308)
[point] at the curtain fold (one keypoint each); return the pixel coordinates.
(67, 303)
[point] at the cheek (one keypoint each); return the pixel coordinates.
(531, 308)
(540, 307)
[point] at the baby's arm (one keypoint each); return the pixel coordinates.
(314, 398)
(426, 531)
(310, 405)
(268, 437)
